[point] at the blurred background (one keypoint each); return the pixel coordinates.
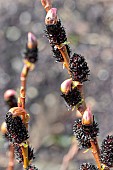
(89, 27)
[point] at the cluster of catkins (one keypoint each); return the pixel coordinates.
(79, 71)
(17, 132)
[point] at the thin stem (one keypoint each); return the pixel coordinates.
(62, 49)
(23, 78)
(69, 156)
(46, 4)
(21, 102)
(82, 107)
(25, 156)
(96, 152)
(11, 158)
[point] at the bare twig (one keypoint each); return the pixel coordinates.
(96, 151)
(19, 111)
(23, 78)
(69, 156)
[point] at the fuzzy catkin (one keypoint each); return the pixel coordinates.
(16, 129)
(106, 154)
(78, 68)
(73, 97)
(84, 133)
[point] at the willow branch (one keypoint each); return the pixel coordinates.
(30, 59)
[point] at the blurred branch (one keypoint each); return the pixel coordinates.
(69, 156)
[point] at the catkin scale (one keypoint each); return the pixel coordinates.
(31, 167)
(88, 166)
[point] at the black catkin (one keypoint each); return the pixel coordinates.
(16, 129)
(56, 33)
(11, 102)
(78, 68)
(106, 153)
(31, 54)
(84, 133)
(73, 97)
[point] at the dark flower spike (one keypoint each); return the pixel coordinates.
(88, 166)
(106, 154)
(84, 133)
(78, 68)
(16, 128)
(10, 98)
(18, 153)
(31, 54)
(31, 167)
(73, 97)
(55, 32)
(70, 93)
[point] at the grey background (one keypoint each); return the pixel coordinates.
(89, 28)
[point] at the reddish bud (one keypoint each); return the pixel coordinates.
(9, 93)
(32, 41)
(66, 86)
(87, 118)
(51, 17)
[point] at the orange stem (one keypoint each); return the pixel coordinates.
(46, 4)
(63, 51)
(96, 152)
(23, 78)
(82, 107)
(21, 103)
(25, 156)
